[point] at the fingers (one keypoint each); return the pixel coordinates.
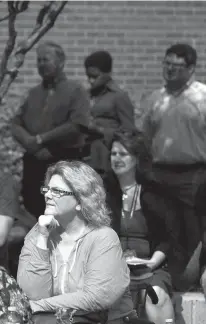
(46, 224)
(47, 220)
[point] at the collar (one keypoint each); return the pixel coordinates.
(176, 93)
(112, 86)
(55, 233)
(49, 84)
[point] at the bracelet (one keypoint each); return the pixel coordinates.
(39, 139)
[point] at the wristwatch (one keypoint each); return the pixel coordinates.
(39, 139)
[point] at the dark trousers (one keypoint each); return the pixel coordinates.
(34, 171)
(175, 199)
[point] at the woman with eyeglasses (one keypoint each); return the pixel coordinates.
(72, 259)
(143, 240)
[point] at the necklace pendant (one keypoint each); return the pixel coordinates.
(124, 196)
(123, 214)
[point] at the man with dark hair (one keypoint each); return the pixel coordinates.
(111, 108)
(174, 121)
(47, 123)
(185, 51)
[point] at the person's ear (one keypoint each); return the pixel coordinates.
(191, 69)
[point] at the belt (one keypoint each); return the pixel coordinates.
(179, 167)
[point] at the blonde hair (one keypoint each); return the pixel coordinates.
(88, 189)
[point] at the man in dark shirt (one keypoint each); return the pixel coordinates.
(47, 123)
(111, 107)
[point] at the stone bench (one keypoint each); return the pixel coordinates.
(190, 308)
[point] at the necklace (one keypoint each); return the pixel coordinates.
(136, 198)
(125, 196)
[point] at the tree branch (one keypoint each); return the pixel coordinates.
(45, 21)
(50, 15)
(10, 42)
(4, 18)
(14, 8)
(40, 18)
(18, 7)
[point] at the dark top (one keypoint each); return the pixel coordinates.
(134, 234)
(56, 108)
(157, 237)
(112, 109)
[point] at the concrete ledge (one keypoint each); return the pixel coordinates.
(190, 308)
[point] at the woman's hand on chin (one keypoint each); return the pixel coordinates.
(46, 224)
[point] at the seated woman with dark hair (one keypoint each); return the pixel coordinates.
(142, 239)
(72, 259)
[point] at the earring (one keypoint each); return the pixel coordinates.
(78, 207)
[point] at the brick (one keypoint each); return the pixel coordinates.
(137, 34)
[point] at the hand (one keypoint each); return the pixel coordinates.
(31, 144)
(129, 254)
(43, 154)
(46, 224)
(33, 306)
(94, 127)
(137, 260)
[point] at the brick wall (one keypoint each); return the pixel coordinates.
(135, 32)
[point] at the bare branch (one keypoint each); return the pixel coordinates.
(45, 21)
(4, 18)
(14, 8)
(10, 42)
(19, 7)
(40, 18)
(50, 16)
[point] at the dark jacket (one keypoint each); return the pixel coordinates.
(156, 232)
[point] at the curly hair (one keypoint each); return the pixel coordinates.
(88, 189)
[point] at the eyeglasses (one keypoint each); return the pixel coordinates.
(174, 65)
(55, 192)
